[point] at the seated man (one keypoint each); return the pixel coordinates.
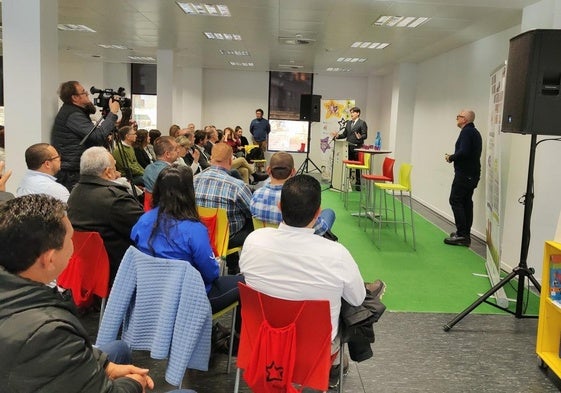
(44, 346)
(98, 204)
(4, 195)
(265, 200)
(166, 152)
(126, 158)
(216, 188)
(292, 263)
(43, 163)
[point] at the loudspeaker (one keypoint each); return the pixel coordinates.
(310, 107)
(532, 100)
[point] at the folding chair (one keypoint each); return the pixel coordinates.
(284, 342)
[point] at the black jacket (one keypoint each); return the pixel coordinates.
(350, 130)
(467, 152)
(71, 125)
(45, 347)
(100, 205)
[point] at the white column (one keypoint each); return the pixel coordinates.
(30, 45)
(165, 76)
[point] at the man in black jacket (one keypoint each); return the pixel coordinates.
(467, 170)
(72, 124)
(99, 204)
(44, 346)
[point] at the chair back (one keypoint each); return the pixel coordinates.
(303, 358)
(147, 201)
(257, 223)
(361, 157)
(216, 221)
(87, 272)
(160, 305)
(387, 168)
(405, 175)
(366, 160)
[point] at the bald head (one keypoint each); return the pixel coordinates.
(221, 155)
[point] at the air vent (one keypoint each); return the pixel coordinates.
(296, 40)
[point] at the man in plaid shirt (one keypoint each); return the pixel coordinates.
(265, 200)
(214, 187)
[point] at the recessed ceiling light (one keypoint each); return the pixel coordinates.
(241, 64)
(291, 66)
(222, 36)
(142, 58)
(204, 9)
(70, 27)
(400, 21)
(369, 45)
(112, 46)
(337, 69)
(233, 52)
(351, 59)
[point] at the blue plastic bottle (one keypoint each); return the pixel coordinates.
(378, 141)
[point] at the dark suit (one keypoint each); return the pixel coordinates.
(204, 159)
(355, 142)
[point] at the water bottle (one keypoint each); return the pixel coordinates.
(378, 141)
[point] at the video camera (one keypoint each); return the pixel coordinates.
(104, 96)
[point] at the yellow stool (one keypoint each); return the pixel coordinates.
(361, 167)
(404, 186)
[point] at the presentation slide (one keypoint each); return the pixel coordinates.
(288, 135)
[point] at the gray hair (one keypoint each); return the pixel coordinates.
(94, 161)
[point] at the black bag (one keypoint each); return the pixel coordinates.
(255, 154)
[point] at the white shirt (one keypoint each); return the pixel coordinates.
(35, 182)
(293, 263)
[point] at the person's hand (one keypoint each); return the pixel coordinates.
(114, 371)
(358, 136)
(196, 155)
(447, 157)
(114, 106)
(4, 176)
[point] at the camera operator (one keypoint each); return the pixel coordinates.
(72, 124)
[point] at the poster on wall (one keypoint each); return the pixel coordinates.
(334, 115)
(493, 181)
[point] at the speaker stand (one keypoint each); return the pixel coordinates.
(521, 271)
(304, 168)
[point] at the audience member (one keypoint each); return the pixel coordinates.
(4, 176)
(265, 200)
(186, 156)
(260, 129)
(43, 163)
(141, 151)
(125, 156)
(166, 151)
(173, 230)
(191, 128)
(292, 263)
(232, 139)
(153, 134)
(98, 204)
(173, 130)
(201, 139)
(216, 188)
(239, 134)
(212, 139)
(45, 348)
(72, 124)
(2, 144)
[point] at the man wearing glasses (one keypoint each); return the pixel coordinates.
(43, 163)
(467, 170)
(72, 124)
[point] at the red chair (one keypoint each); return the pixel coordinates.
(386, 176)
(283, 342)
(87, 273)
(345, 171)
(147, 201)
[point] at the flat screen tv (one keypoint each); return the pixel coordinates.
(288, 135)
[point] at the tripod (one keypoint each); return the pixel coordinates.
(304, 167)
(522, 270)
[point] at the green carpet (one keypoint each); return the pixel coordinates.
(435, 278)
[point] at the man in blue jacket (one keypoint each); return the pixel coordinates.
(260, 129)
(467, 170)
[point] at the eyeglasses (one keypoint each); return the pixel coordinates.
(83, 93)
(458, 116)
(52, 158)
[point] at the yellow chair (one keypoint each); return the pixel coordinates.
(403, 186)
(360, 167)
(259, 164)
(258, 224)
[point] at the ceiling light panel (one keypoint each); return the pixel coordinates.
(369, 45)
(351, 59)
(241, 64)
(233, 52)
(204, 9)
(142, 58)
(222, 36)
(71, 27)
(113, 46)
(401, 21)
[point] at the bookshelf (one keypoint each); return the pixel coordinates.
(549, 325)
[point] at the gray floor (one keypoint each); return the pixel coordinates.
(412, 353)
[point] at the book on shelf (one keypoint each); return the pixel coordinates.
(555, 277)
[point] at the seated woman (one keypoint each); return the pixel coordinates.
(173, 230)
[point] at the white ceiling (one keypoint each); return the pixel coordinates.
(148, 25)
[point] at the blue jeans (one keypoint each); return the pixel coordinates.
(117, 352)
(328, 215)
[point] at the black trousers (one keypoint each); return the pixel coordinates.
(461, 202)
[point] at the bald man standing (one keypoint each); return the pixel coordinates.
(467, 171)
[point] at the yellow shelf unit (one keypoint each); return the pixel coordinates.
(549, 324)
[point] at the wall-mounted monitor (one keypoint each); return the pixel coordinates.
(288, 135)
